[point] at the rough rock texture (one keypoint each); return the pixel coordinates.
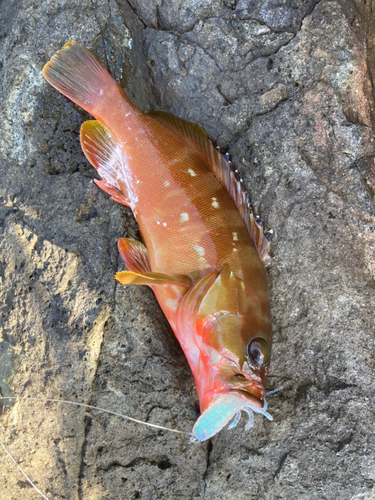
(285, 87)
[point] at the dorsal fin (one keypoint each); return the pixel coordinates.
(196, 138)
(193, 135)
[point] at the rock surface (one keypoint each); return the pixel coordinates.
(283, 86)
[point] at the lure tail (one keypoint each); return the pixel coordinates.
(78, 75)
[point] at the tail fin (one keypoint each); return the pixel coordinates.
(77, 74)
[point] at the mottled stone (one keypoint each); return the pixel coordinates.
(284, 87)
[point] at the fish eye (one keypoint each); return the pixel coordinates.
(258, 351)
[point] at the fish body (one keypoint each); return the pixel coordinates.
(203, 252)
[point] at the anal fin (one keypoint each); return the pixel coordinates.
(115, 193)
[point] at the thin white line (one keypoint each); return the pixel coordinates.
(22, 472)
(100, 409)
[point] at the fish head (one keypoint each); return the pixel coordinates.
(238, 352)
(231, 329)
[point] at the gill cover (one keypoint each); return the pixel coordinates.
(213, 300)
(217, 294)
(222, 316)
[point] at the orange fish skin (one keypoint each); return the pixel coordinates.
(190, 226)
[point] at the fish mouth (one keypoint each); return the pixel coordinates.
(256, 397)
(250, 389)
(222, 410)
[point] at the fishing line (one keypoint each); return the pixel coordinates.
(274, 391)
(73, 403)
(91, 407)
(116, 414)
(22, 472)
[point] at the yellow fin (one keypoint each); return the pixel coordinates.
(129, 277)
(218, 292)
(105, 155)
(134, 254)
(225, 294)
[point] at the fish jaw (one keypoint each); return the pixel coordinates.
(226, 377)
(221, 411)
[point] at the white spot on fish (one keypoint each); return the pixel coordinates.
(191, 172)
(234, 249)
(101, 92)
(158, 222)
(167, 183)
(199, 250)
(164, 224)
(127, 114)
(235, 236)
(215, 203)
(184, 217)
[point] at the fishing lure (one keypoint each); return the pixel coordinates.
(203, 253)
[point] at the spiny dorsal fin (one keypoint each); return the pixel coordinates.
(105, 155)
(196, 138)
(134, 254)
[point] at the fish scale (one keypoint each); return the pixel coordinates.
(203, 252)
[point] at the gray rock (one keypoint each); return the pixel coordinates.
(282, 86)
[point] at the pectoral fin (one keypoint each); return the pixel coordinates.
(134, 254)
(129, 277)
(218, 292)
(225, 294)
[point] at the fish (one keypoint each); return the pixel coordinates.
(203, 252)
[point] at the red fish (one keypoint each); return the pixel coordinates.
(203, 252)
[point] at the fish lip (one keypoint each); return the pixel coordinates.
(259, 403)
(251, 389)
